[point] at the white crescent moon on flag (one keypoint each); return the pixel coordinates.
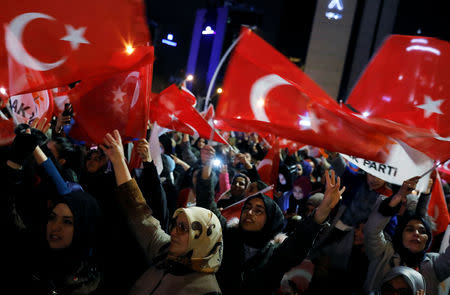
(13, 42)
(259, 91)
(136, 89)
(264, 163)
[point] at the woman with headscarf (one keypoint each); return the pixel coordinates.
(409, 247)
(253, 264)
(403, 280)
(60, 257)
(183, 262)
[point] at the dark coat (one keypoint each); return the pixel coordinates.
(262, 273)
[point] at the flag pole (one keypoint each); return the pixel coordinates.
(219, 66)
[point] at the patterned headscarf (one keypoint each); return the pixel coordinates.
(205, 240)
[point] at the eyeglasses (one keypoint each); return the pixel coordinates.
(387, 289)
(256, 211)
(180, 227)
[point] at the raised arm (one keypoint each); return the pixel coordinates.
(205, 187)
(151, 186)
(146, 228)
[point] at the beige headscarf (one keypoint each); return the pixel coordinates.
(205, 240)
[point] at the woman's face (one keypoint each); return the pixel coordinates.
(415, 236)
(297, 192)
(94, 162)
(60, 227)
(299, 169)
(253, 215)
(200, 143)
(179, 235)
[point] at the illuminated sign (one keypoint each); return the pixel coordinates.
(334, 5)
(208, 31)
(169, 41)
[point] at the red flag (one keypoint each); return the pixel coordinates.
(32, 106)
(437, 208)
(119, 102)
(277, 97)
(444, 171)
(173, 109)
(268, 167)
(54, 43)
(233, 211)
(60, 98)
(405, 93)
(6, 132)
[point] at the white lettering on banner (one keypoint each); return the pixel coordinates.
(402, 163)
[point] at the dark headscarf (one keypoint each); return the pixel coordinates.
(87, 216)
(409, 258)
(274, 223)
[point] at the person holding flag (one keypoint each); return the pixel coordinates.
(408, 247)
(251, 263)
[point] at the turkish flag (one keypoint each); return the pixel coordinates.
(444, 171)
(119, 102)
(437, 208)
(54, 43)
(268, 167)
(173, 109)
(405, 93)
(264, 92)
(60, 98)
(32, 106)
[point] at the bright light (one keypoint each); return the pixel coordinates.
(208, 31)
(305, 123)
(215, 122)
(170, 43)
(336, 4)
(189, 77)
(169, 37)
(260, 102)
(333, 15)
(219, 90)
(423, 48)
(419, 40)
(129, 49)
(400, 77)
(216, 162)
(3, 90)
(366, 114)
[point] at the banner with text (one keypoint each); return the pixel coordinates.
(403, 163)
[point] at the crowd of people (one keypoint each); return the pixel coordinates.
(79, 220)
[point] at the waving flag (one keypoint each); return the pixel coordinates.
(264, 92)
(6, 132)
(54, 43)
(268, 167)
(444, 171)
(119, 102)
(172, 109)
(405, 93)
(437, 208)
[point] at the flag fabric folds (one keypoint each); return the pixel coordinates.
(49, 43)
(118, 102)
(437, 208)
(405, 93)
(173, 109)
(264, 92)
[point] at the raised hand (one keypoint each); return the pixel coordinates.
(41, 125)
(143, 150)
(113, 147)
(207, 153)
(407, 187)
(331, 197)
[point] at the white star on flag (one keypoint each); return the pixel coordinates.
(431, 106)
(316, 122)
(118, 95)
(173, 117)
(75, 36)
(304, 122)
